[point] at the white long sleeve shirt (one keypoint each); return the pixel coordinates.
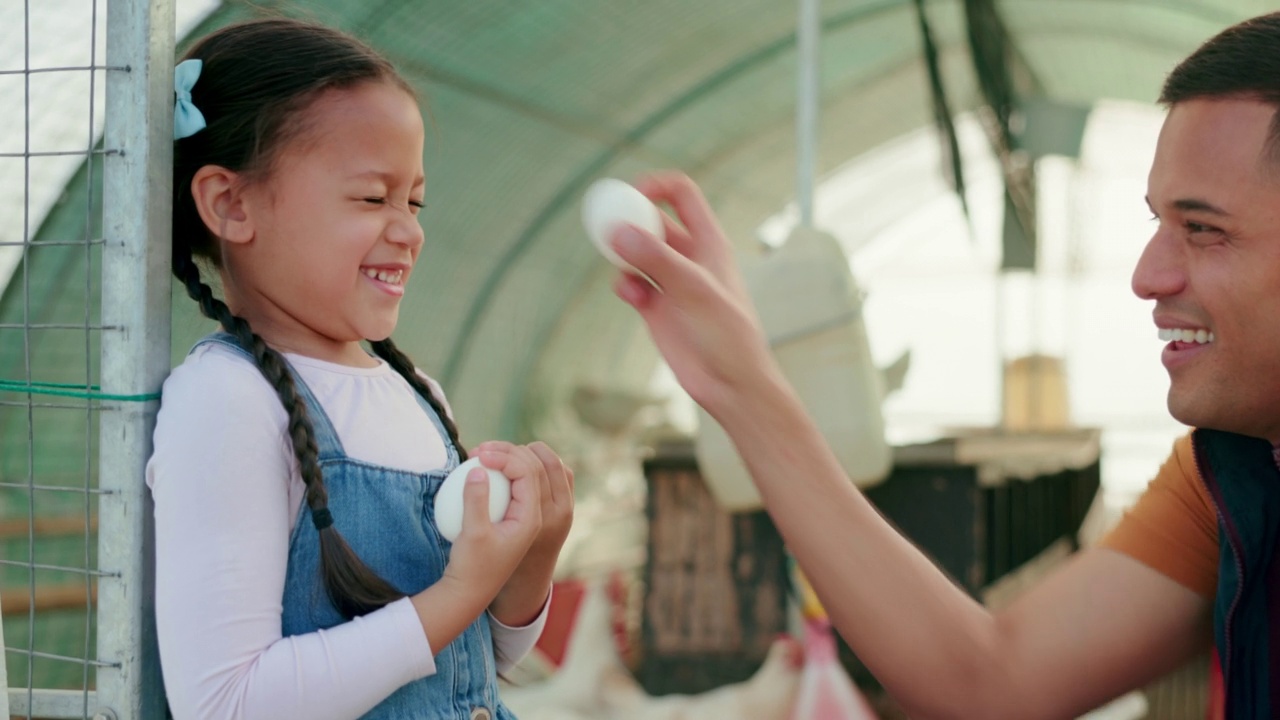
(227, 494)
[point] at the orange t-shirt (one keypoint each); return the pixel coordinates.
(1173, 528)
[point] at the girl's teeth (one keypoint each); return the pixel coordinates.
(391, 277)
(1200, 336)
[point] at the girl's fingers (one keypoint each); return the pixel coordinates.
(559, 477)
(493, 449)
(514, 461)
(502, 456)
(519, 464)
(526, 499)
(538, 468)
(537, 473)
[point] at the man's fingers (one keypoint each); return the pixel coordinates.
(686, 198)
(669, 269)
(678, 237)
(635, 291)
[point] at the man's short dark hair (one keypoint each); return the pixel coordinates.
(1242, 61)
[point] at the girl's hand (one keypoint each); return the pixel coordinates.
(485, 554)
(700, 315)
(524, 594)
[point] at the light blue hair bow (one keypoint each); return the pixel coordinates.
(187, 118)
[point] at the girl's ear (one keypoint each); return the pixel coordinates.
(220, 200)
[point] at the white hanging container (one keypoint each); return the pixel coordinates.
(811, 309)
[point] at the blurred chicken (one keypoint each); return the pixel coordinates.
(593, 683)
(767, 695)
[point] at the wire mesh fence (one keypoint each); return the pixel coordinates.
(74, 364)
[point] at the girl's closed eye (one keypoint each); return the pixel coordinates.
(415, 205)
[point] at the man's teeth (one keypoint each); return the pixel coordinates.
(1201, 336)
(387, 276)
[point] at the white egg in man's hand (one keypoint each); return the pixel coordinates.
(609, 204)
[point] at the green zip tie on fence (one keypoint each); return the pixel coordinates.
(92, 392)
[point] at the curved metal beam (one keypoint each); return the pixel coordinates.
(1201, 11)
(577, 184)
(574, 187)
(510, 416)
(555, 326)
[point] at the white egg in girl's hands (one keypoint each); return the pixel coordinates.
(609, 203)
(449, 498)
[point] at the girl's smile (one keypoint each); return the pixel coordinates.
(388, 279)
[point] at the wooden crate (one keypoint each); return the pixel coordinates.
(980, 505)
(715, 585)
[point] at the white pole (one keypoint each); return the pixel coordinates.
(808, 34)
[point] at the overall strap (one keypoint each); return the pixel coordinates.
(449, 445)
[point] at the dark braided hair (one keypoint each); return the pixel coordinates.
(257, 80)
(388, 351)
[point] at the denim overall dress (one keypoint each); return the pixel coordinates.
(387, 516)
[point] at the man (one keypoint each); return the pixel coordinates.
(1162, 586)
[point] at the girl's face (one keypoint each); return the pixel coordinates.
(334, 228)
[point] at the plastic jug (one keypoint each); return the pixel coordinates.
(811, 309)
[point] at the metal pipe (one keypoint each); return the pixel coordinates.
(52, 704)
(808, 59)
(134, 358)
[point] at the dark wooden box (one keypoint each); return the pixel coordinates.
(715, 585)
(980, 504)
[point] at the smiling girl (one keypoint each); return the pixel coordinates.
(300, 573)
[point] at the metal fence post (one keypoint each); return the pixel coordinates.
(135, 351)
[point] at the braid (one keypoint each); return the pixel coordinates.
(388, 351)
(353, 587)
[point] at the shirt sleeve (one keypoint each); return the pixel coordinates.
(511, 644)
(1173, 528)
(219, 477)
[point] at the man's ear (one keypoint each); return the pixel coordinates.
(220, 200)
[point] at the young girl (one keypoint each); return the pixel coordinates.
(299, 570)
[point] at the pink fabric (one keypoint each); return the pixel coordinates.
(826, 692)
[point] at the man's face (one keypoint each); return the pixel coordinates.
(1213, 265)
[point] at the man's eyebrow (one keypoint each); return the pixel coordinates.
(1197, 205)
(1193, 205)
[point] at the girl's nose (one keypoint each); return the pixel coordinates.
(405, 230)
(1160, 272)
